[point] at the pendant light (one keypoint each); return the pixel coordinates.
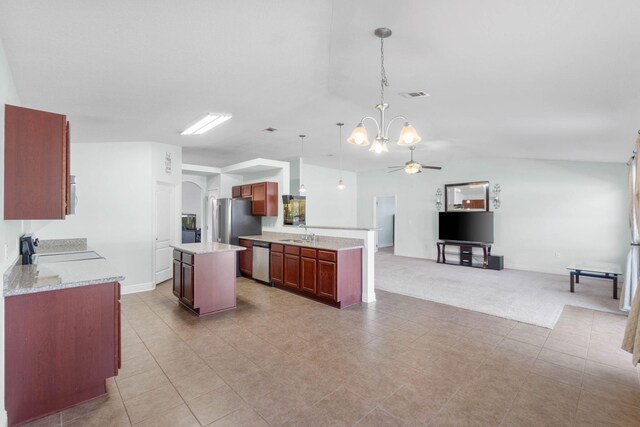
(408, 135)
(341, 182)
(302, 188)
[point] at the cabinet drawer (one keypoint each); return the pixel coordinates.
(293, 250)
(277, 248)
(308, 253)
(177, 255)
(327, 255)
(245, 243)
(187, 258)
(245, 190)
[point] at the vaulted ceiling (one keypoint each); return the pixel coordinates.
(549, 79)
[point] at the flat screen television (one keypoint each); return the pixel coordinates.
(466, 226)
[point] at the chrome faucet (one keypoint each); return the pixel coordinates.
(306, 235)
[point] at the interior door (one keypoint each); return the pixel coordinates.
(164, 232)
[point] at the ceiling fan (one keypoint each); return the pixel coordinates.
(412, 167)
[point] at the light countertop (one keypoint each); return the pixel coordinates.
(323, 242)
(206, 247)
(25, 279)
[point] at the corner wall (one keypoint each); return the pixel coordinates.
(553, 212)
(10, 231)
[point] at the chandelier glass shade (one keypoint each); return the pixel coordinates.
(408, 135)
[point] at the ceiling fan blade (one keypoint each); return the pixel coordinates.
(432, 167)
(397, 170)
(393, 167)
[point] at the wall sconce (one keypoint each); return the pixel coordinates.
(496, 196)
(438, 199)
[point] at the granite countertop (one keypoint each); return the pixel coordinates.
(323, 242)
(206, 248)
(26, 279)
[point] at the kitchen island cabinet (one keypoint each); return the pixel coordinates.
(61, 346)
(204, 276)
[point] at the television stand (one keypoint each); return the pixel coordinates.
(466, 253)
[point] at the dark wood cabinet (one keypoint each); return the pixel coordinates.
(177, 278)
(291, 270)
(276, 264)
(277, 267)
(327, 280)
(333, 277)
(308, 275)
(236, 192)
(60, 347)
(187, 284)
(264, 196)
(36, 164)
(246, 258)
(207, 282)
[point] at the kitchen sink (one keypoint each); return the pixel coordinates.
(70, 256)
(292, 240)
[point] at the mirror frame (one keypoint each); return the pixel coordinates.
(464, 184)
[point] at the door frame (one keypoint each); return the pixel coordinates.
(375, 216)
(173, 219)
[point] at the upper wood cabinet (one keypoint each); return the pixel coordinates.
(263, 195)
(36, 164)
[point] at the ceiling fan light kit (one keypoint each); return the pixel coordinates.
(408, 136)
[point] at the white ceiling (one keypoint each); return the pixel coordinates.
(516, 78)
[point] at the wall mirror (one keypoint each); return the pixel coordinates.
(468, 196)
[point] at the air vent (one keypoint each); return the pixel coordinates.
(416, 94)
(269, 130)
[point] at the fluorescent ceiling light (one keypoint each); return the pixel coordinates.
(205, 124)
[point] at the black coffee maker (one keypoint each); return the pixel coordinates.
(28, 243)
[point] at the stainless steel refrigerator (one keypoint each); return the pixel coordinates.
(232, 218)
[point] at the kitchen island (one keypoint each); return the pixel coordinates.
(62, 335)
(204, 276)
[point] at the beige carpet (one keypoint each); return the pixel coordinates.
(535, 298)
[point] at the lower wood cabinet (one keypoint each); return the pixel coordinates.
(187, 296)
(205, 283)
(246, 258)
(177, 277)
(334, 277)
(277, 266)
(308, 275)
(60, 347)
(327, 280)
(291, 271)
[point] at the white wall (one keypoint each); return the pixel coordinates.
(326, 204)
(10, 231)
(116, 208)
(553, 212)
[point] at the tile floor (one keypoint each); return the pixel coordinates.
(283, 360)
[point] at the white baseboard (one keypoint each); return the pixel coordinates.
(385, 245)
(138, 287)
(4, 421)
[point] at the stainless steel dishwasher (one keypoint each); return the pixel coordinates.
(261, 261)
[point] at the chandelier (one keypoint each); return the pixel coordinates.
(408, 135)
